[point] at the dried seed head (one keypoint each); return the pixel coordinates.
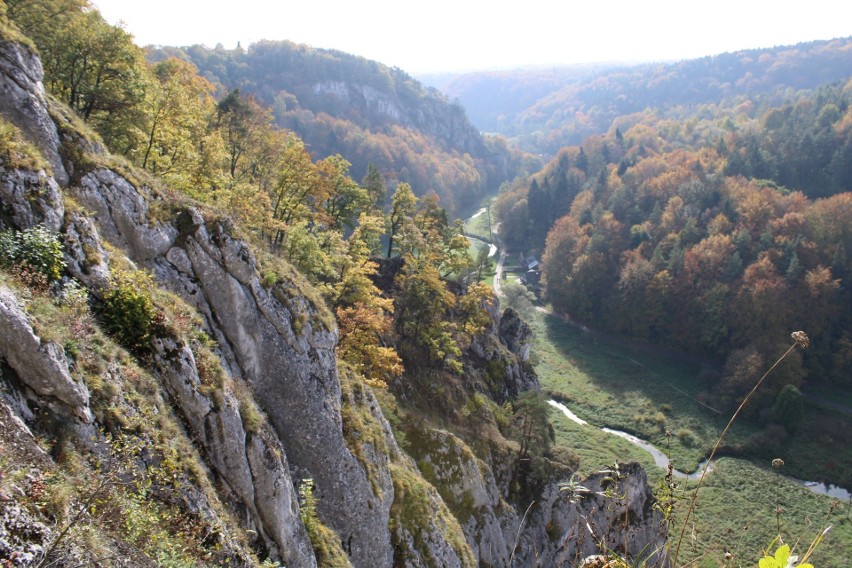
(801, 339)
(777, 463)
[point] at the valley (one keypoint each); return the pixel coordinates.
(244, 321)
(610, 395)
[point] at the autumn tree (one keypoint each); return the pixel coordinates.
(789, 408)
(564, 243)
(422, 302)
(177, 109)
(90, 65)
(374, 183)
(403, 203)
(297, 185)
(434, 322)
(241, 121)
(345, 199)
(363, 314)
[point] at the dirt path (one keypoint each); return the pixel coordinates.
(838, 406)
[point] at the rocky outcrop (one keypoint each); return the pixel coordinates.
(21, 534)
(121, 214)
(614, 508)
(85, 257)
(431, 114)
(39, 365)
(272, 339)
(24, 103)
(252, 463)
(467, 485)
(503, 352)
(276, 341)
(515, 334)
(28, 199)
(554, 527)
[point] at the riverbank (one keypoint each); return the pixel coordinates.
(662, 460)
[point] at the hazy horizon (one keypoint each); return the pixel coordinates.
(453, 37)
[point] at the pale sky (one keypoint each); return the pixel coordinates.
(463, 35)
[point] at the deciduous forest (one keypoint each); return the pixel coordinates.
(709, 234)
(370, 113)
(702, 208)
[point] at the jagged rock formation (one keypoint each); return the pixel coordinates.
(560, 533)
(255, 328)
(469, 487)
(40, 366)
(504, 353)
(550, 528)
(278, 343)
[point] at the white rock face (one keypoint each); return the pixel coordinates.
(252, 463)
(23, 102)
(295, 372)
(121, 213)
(468, 485)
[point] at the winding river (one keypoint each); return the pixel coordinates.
(492, 248)
(662, 460)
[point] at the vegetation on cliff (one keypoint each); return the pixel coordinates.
(276, 252)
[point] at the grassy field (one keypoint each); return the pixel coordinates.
(647, 394)
(479, 226)
(737, 514)
(609, 383)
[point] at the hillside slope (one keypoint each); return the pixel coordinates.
(369, 113)
(225, 431)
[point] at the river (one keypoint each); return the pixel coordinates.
(492, 248)
(662, 460)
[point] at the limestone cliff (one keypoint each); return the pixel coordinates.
(239, 398)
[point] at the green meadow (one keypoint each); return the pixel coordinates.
(659, 396)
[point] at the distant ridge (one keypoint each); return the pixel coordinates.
(572, 102)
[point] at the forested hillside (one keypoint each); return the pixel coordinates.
(717, 235)
(240, 326)
(544, 110)
(369, 113)
(230, 156)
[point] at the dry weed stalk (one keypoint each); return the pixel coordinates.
(800, 339)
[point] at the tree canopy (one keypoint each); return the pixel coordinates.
(685, 232)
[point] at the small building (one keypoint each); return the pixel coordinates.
(532, 277)
(532, 263)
